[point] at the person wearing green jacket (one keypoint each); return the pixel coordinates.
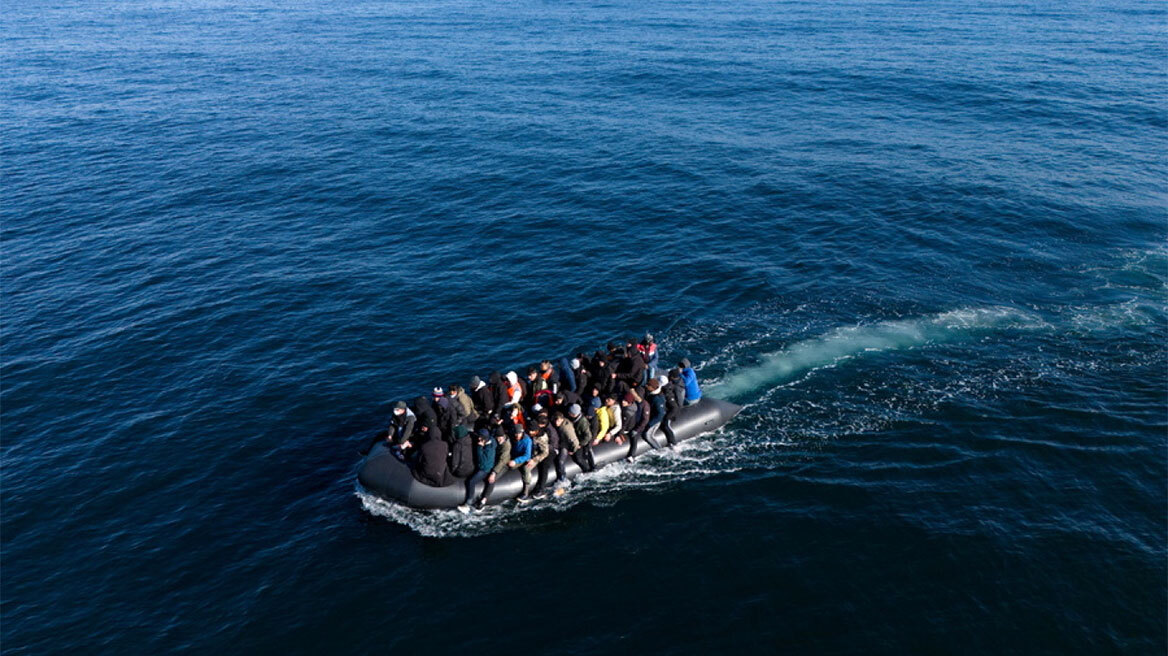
(502, 457)
(583, 429)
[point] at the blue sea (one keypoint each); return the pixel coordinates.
(925, 244)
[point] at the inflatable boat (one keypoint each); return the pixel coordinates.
(384, 475)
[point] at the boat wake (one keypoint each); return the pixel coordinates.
(851, 341)
(774, 425)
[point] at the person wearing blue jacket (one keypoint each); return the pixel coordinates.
(484, 458)
(567, 377)
(520, 454)
(693, 393)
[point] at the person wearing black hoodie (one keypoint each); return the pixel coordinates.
(583, 379)
(630, 368)
(461, 453)
(424, 413)
(602, 376)
(431, 467)
(482, 396)
(498, 387)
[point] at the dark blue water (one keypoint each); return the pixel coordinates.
(923, 243)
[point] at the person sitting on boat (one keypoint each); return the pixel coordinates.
(628, 415)
(497, 383)
(465, 413)
(424, 411)
(693, 393)
(538, 391)
(593, 400)
(609, 420)
(502, 464)
(481, 396)
(648, 350)
(569, 443)
(431, 467)
(484, 462)
(566, 375)
(521, 449)
(601, 423)
(629, 368)
(461, 453)
(541, 460)
(558, 452)
(401, 426)
(582, 379)
(513, 417)
(583, 429)
(514, 390)
(659, 410)
(549, 375)
(602, 375)
(641, 426)
(565, 398)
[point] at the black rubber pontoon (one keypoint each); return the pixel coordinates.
(384, 475)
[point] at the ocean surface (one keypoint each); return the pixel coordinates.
(924, 243)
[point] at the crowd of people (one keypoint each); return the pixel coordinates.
(536, 422)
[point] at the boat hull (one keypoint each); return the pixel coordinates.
(384, 475)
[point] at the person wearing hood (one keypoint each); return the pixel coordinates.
(498, 387)
(567, 376)
(481, 396)
(502, 464)
(424, 411)
(484, 462)
(514, 391)
(565, 398)
(631, 368)
(693, 393)
(461, 453)
(431, 467)
(583, 430)
(580, 376)
(602, 375)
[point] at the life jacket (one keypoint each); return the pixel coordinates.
(543, 397)
(511, 389)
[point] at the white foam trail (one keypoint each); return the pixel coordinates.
(843, 343)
